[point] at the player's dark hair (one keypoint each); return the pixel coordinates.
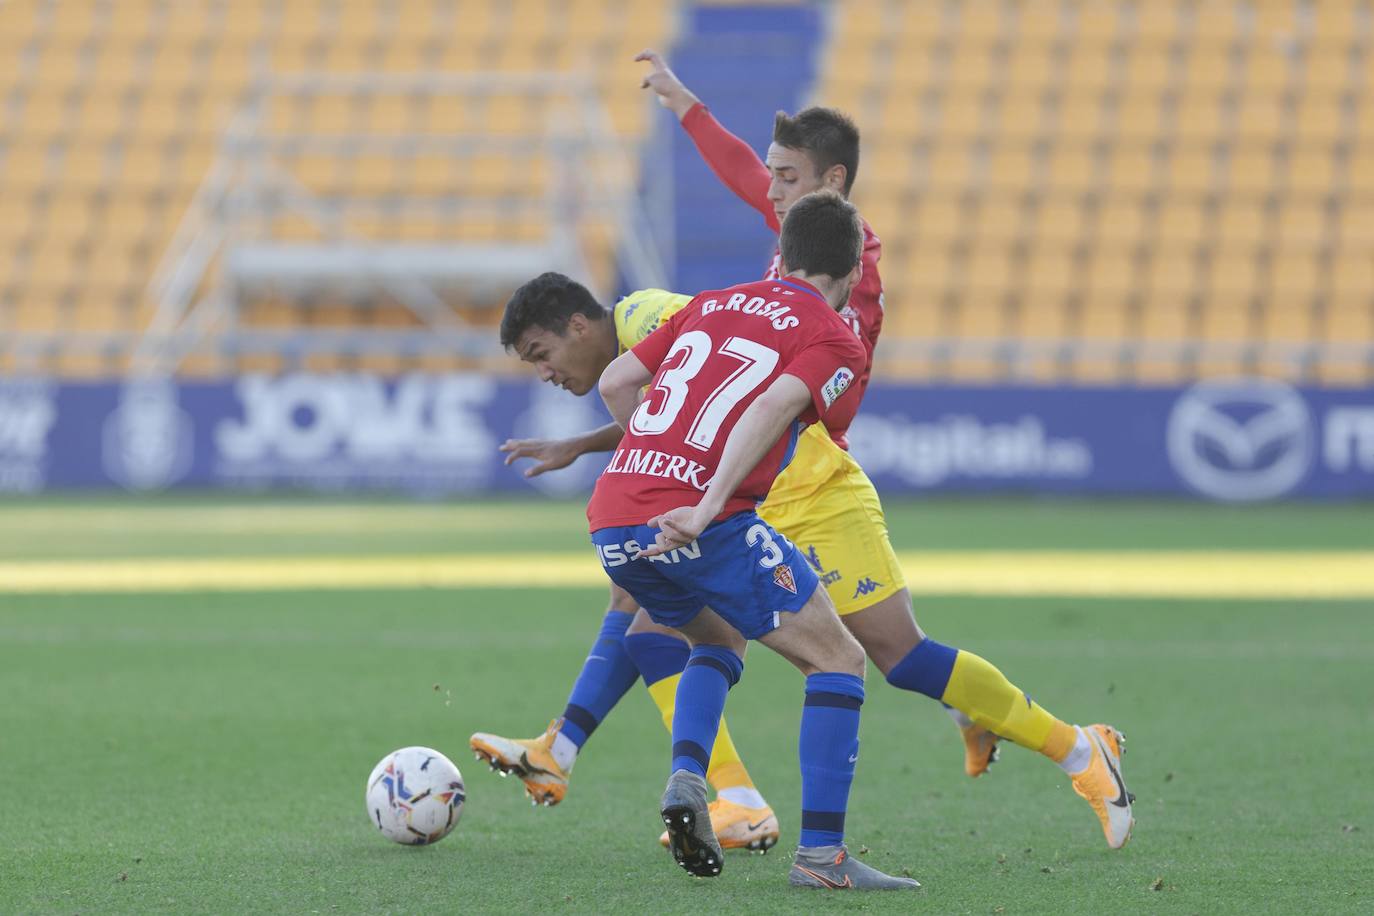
(548, 301)
(827, 136)
(822, 234)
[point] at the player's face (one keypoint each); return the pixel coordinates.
(567, 360)
(794, 176)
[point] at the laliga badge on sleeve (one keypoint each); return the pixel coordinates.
(838, 385)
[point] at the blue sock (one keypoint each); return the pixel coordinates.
(710, 673)
(657, 655)
(829, 748)
(925, 669)
(606, 675)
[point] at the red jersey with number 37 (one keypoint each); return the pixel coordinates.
(710, 361)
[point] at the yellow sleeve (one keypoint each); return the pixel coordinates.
(640, 313)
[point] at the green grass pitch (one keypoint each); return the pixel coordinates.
(206, 753)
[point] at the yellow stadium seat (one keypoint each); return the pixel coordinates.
(1051, 274)
(1166, 318)
(1121, 222)
(1352, 278)
(1198, 118)
(1311, 170)
(1287, 320)
(1133, 170)
(1110, 275)
(1227, 321)
(980, 316)
(1104, 318)
(1088, 68)
(1303, 226)
(1192, 171)
(1172, 272)
(1097, 23)
(1183, 223)
(1241, 223)
(1072, 168)
(990, 270)
(1252, 170)
(1045, 317)
(1294, 275)
(1234, 274)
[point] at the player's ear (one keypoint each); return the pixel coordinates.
(856, 275)
(577, 325)
(834, 178)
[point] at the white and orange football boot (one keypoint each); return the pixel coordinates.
(531, 759)
(980, 749)
(738, 827)
(1101, 784)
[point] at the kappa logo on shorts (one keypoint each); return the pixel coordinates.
(782, 577)
(867, 587)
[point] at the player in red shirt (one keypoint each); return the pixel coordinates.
(980, 699)
(731, 379)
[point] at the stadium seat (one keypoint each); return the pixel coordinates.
(129, 110)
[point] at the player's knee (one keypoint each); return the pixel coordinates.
(849, 657)
(623, 601)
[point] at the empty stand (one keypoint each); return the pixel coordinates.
(112, 112)
(1167, 187)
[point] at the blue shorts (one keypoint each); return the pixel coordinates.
(740, 567)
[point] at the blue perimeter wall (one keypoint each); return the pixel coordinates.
(745, 63)
(434, 435)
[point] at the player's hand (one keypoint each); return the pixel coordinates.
(677, 527)
(550, 454)
(672, 95)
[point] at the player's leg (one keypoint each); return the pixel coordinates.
(828, 745)
(878, 612)
(740, 816)
(839, 527)
(544, 763)
(714, 666)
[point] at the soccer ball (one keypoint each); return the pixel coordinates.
(415, 796)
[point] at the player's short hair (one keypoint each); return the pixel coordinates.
(548, 301)
(826, 135)
(822, 234)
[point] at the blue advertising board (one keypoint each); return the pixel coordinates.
(1239, 440)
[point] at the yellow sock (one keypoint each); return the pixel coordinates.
(726, 770)
(978, 690)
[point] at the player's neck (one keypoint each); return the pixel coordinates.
(607, 343)
(832, 290)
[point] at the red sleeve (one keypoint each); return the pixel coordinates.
(867, 298)
(829, 367)
(734, 161)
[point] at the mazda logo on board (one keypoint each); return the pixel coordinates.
(1241, 440)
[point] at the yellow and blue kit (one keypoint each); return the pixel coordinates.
(823, 501)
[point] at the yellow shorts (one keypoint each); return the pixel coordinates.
(827, 506)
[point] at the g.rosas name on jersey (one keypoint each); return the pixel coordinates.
(757, 305)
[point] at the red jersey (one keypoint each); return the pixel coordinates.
(711, 361)
(740, 169)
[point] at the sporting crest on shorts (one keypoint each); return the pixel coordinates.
(782, 577)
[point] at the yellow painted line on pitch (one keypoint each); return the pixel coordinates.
(1157, 574)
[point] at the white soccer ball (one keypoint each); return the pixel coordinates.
(415, 796)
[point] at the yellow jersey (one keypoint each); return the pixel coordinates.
(642, 312)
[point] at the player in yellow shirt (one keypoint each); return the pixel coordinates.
(822, 498)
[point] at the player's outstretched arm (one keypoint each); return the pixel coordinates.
(622, 386)
(671, 93)
(758, 430)
(552, 454)
(735, 163)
